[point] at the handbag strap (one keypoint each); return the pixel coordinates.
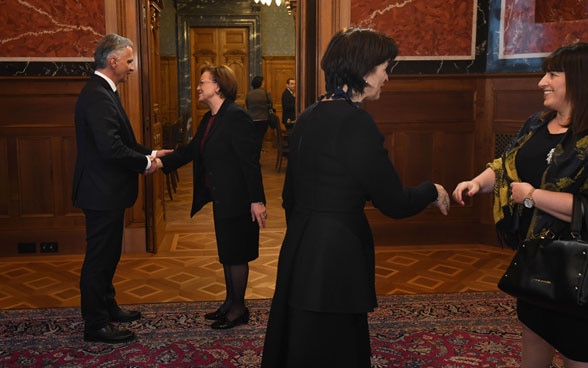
(580, 202)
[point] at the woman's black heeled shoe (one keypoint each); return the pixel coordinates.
(224, 323)
(216, 315)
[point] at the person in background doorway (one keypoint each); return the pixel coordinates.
(225, 158)
(289, 104)
(533, 184)
(325, 284)
(259, 103)
(104, 184)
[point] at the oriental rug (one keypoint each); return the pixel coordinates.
(429, 330)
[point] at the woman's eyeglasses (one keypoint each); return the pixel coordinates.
(205, 81)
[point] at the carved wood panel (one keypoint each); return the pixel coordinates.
(38, 147)
(429, 130)
(169, 89)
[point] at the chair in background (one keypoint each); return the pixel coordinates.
(170, 141)
(281, 146)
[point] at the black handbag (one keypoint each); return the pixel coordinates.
(552, 272)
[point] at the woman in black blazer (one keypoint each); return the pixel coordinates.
(226, 169)
(325, 284)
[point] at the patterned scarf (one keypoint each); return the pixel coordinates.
(566, 172)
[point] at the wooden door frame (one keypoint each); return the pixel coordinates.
(152, 129)
(124, 18)
(316, 23)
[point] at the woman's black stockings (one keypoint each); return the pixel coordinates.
(236, 282)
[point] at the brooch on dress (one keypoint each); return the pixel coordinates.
(549, 156)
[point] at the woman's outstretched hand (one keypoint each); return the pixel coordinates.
(469, 188)
(442, 200)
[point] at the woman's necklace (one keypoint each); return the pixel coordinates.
(338, 94)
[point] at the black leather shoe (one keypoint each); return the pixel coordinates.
(109, 334)
(216, 315)
(122, 315)
(224, 323)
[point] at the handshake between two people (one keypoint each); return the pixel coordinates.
(156, 163)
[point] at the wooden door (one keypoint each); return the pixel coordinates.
(229, 46)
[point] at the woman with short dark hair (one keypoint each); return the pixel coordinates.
(337, 162)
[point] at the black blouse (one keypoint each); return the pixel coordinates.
(532, 161)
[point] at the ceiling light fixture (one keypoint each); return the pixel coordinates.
(290, 4)
(268, 2)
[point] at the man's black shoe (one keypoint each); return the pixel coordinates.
(109, 334)
(122, 315)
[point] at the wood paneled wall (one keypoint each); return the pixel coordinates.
(168, 107)
(276, 71)
(442, 128)
(37, 146)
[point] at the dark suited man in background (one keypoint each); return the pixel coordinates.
(105, 183)
(289, 104)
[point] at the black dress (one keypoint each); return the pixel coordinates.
(226, 170)
(326, 271)
(564, 332)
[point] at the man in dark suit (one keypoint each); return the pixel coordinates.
(289, 104)
(105, 183)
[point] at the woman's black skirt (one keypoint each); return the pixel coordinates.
(237, 239)
(564, 332)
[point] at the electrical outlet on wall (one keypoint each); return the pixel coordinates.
(48, 247)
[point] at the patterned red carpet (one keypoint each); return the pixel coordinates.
(427, 330)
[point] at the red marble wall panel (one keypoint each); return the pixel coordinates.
(536, 27)
(423, 29)
(50, 30)
(560, 10)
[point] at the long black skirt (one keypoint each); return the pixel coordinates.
(321, 340)
(566, 333)
(237, 239)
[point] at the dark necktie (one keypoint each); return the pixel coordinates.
(117, 95)
(127, 123)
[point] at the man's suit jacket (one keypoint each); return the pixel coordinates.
(109, 157)
(288, 106)
(227, 172)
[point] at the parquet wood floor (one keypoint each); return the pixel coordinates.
(186, 267)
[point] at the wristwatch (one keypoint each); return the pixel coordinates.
(528, 201)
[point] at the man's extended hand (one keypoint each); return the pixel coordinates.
(156, 164)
